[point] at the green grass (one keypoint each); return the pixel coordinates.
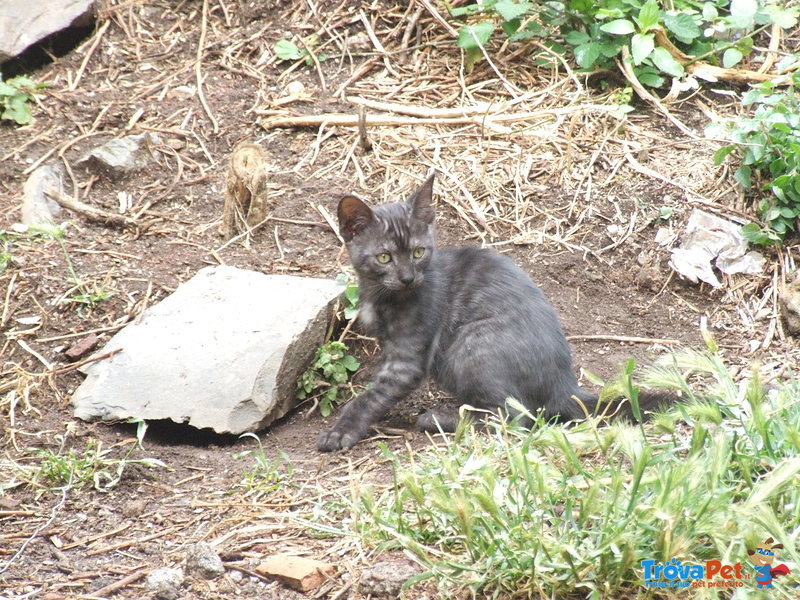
(6, 255)
(96, 466)
(571, 512)
(85, 294)
(266, 476)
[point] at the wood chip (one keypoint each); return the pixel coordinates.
(82, 347)
(297, 572)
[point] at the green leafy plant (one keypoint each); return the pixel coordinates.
(559, 511)
(350, 295)
(767, 146)
(665, 213)
(94, 465)
(15, 94)
(327, 376)
(267, 475)
(288, 50)
(598, 30)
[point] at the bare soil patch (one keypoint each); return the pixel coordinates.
(558, 193)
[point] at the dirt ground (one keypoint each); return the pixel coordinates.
(560, 195)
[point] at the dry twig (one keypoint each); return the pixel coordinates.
(627, 69)
(91, 212)
(623, 338)
(198, 67)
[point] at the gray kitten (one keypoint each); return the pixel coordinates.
(468, 316)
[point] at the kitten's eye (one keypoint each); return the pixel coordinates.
(384, 257)
(418, 252)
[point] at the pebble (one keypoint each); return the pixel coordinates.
(165, 583)
(201, 560)
(386, 578)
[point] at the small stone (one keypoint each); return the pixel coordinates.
(298, 572)
(182, 92)
(82, 347)
(165, 583)
(295, 88)
(123, 155)
(236, 576)
(37, 207)
(134, 508)
(665, 236)
(201, 560)
(594, 275)
(650, 278)
(386, 578)
(359, 42)
(98, 583)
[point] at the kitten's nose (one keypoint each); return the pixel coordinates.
(406, 278)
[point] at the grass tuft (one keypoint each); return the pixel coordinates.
(556, 511)
(70, 470)
(266, 476)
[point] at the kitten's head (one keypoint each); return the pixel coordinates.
(391, 245)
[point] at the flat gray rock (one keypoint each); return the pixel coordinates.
(23, 23)
(120, 156)
(37, 207)
(223, 351)
(386, 578)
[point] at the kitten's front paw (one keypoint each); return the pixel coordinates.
(330, 441)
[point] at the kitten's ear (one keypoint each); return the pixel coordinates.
(421, 201)
(354, 216)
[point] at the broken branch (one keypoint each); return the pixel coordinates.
(476, 115)
(90, 212)
(708, 72)
(623, 338)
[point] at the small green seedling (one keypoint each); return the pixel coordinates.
(350, 295)
(327, 376)
(6, 257)
(88, 295)
(665, 213)
(15, 94)
(267, 475)
(288, 50)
